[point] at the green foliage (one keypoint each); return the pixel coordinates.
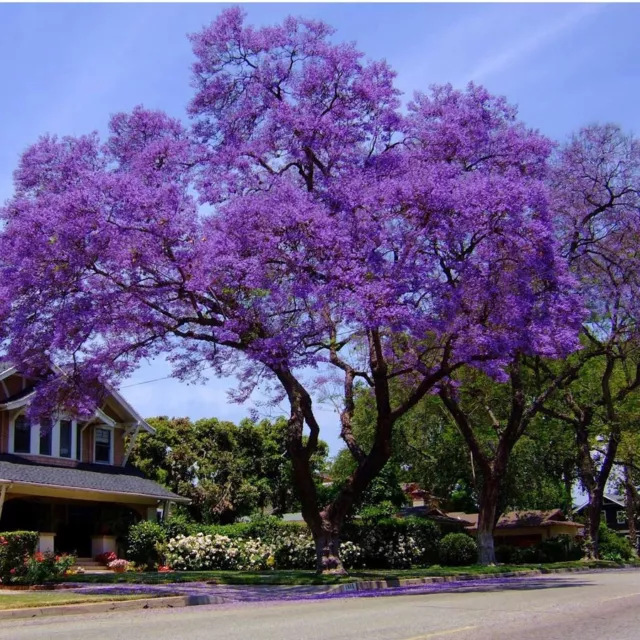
(457, 550)
(613, 546)
(228, 471)
(15, 547)
(562, 548)
(144, 541)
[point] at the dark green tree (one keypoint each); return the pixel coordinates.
(227, 470)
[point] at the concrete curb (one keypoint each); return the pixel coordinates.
(371, 585)
(107, 606)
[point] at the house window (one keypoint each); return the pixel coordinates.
(22, 435)
(65, 438)
(46, 436)
(621, 517)
(103, 445)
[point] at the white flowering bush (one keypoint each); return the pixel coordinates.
(391, 544)
(202, 552)
(350, 554)
(295, 552)
(256, 555)
(400, 551)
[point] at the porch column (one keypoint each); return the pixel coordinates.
(46, 542)
(152, 513)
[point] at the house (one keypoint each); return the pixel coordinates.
(525, 528)
(68, 478)
(614, 513)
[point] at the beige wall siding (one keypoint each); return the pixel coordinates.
(118, 447)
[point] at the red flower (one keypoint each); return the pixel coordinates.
(164, 569)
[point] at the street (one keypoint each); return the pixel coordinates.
(588, 606)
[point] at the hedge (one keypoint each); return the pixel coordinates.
(15, 547)
(390, 543)
(563, 548)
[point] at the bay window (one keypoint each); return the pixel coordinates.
(65, 438)
(22, 435)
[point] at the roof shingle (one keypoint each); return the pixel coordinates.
(87, 477)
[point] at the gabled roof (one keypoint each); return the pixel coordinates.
(518, 519)
(23, 397)
(83, 477)
(611, 497)
(431, 513)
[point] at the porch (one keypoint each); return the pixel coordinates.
(86, 509)
(82, 528)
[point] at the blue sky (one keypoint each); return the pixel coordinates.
(65, 68)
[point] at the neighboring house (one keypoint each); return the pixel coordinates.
(614, 513)
(447, 523)
(525, 528)
(69, 479)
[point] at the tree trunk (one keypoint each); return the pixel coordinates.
(487, 520)
(631, 501)
(592, 526)
(327, 540)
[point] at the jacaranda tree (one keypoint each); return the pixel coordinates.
(304, 230)
(596, 202)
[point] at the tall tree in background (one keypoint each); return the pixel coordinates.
(341, 236)
(596, 198)
(228, 471)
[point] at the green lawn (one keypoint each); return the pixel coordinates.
(310, 577)
(27, 599)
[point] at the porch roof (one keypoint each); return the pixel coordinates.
(83, 477)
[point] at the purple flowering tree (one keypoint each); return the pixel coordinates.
(596, 201)
(304, 231)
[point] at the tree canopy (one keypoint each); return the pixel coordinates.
(338, 235)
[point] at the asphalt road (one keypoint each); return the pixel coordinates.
(602, 606)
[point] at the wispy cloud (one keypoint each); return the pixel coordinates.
(522, 48)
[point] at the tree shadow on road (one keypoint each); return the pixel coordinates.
(473, 586)
(281, 593)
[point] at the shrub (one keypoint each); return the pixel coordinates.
(563, 548)
(507, 554)
(560, 549)
(395, 543)
(350, 554)
(295, 552)
(15, 548)
(45, 567)
(206, 552)
(119, 565)
(106, 557)
(457, 549)
(613, 546)
(177, 524)
(143, 543)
